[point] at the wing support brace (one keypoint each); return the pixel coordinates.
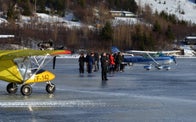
(35, 64)
(153, 59)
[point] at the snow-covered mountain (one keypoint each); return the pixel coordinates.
(183, 9)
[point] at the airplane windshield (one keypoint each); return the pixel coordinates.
(24, 66)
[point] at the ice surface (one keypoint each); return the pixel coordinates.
(134, 95)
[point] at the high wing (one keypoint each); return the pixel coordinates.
(154, 52)
(12, 54)
(141, 52)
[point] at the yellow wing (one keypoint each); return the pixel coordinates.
(12, 54)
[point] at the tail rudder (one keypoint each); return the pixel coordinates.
(114, 49)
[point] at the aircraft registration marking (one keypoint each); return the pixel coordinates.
(43, 77)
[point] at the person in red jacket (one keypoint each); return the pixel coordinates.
(112, 63)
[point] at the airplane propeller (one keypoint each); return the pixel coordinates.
(54, 62)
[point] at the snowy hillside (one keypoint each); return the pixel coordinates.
(183, 9)
(45, 18)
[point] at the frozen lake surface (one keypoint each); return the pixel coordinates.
(135, 95)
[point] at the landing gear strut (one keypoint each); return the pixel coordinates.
(50, 88)
(26, 89)
(12, 88)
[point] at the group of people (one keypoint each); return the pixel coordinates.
(110, 63)
(91, 60)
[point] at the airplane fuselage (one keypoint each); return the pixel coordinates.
(146, 60)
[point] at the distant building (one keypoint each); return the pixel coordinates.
(123, 14)
(190, 40)
(7, 36)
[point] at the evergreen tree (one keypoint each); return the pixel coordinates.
(157, 27)
(27, 8)
(82, 3)
(10, 13)
(40, 5)
(107, 32)
(131, 5)
(169, 33)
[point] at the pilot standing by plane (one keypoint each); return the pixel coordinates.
(81, 61)
(104, 65)
(122, 66)
(118, 61)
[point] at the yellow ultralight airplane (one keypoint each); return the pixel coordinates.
(23, 67)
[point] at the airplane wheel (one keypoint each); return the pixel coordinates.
(12, 88)
(50, 88)
(26, 90)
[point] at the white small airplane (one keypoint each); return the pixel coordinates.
(159, 59)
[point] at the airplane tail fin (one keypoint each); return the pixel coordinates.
(115, 49)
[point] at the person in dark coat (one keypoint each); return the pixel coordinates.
(104, 65)
(96, 61)
(81, 61)
(122, 65)
(121, 58)
(89, 60)
(117, 61)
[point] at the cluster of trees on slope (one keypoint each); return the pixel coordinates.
(157, 32)
(28, 7)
